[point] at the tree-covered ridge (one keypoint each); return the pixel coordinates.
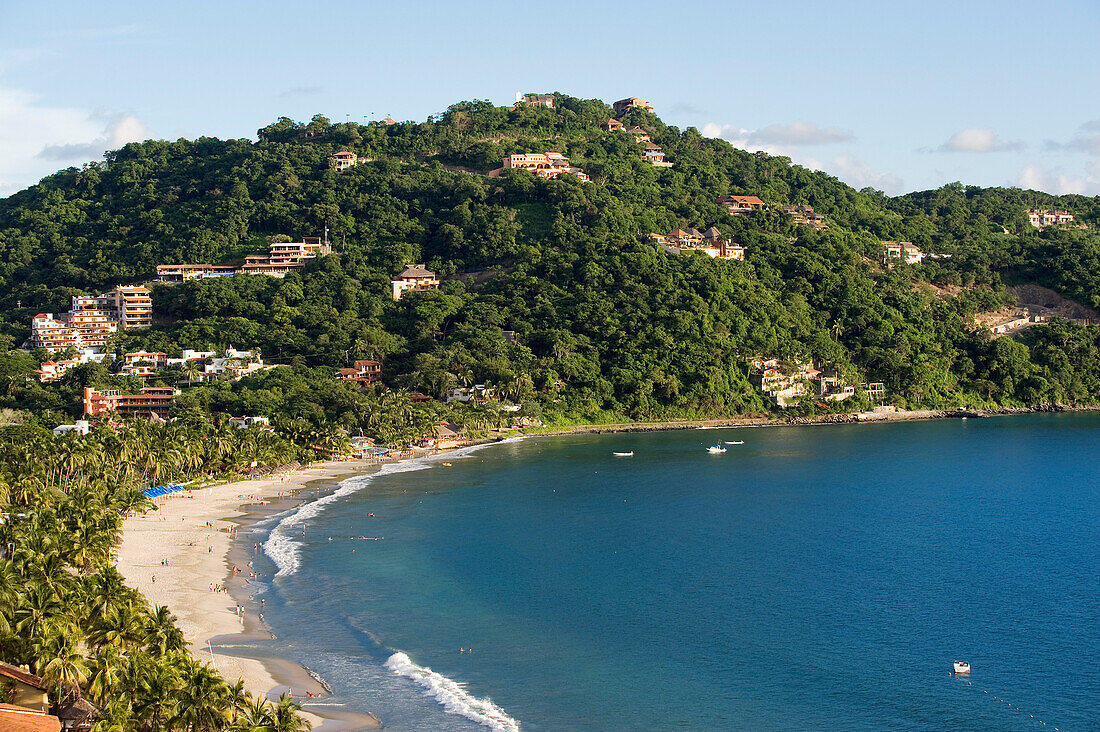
(606, 321)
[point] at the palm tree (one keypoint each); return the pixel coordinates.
(203, 697)
(60, 662)
(162, 634)
(285, 716)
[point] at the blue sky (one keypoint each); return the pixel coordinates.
(899, 96)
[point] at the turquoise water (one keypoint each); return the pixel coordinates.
(812, 578)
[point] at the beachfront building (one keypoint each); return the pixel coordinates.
(1040, 217)
(787, 382)
(711, 242)
(901, 251)
(414, 278)
(806, 216)
(343, 160)
(741, 205)
(545, 165)
(623, 106)
(363, 372)
(445, 436)
(281, 258)
(151, 402)
(535, 100)
(92, 319)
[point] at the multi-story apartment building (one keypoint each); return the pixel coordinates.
(1040, 217)
(545, 165)
(152, 400)
(93, 319)
(282, 257)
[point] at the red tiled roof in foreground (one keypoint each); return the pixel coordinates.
(21, 719)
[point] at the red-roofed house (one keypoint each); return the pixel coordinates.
(741, 205)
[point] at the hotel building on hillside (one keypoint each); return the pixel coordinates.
(150, 402)
(93, 319)
(281, 258)
(1040, 217)
(414, 278)
(545, 165)
(806, 216)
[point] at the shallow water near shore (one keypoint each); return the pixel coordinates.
(811, 578)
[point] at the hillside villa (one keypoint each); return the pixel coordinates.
(345, 159)
(143, 363)
(1040, 217)
(414, 278)
(152, 402)
(537, 100)
(623, 106)
(545, 165)
(364, 372)
(709, 242)
(613, 125)
(93, 319)
(903, 251)
(741, 205)
(806, 216)
(655, 156)
(282, 257)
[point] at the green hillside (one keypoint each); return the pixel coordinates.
(608, 324)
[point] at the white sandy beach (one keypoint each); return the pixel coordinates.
(197, 556)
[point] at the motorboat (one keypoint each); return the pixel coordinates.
(623, 454)
(715, 449)
(962, 667)
(738, 442)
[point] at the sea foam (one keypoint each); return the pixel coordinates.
(452, 695)
(285, 550)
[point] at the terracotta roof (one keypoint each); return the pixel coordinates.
(26, 677)
(21, 719)
(679, 232)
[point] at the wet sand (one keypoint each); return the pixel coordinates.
(176, 554)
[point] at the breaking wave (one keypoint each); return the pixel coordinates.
(452, 695)
(285, 551)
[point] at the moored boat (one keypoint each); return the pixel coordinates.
(623, 454)
(738, 442)
(962, 667)
(714, 449)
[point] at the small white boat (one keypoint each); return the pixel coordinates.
(738, 442)
(715, 449)
(962, 667)
(623, 454)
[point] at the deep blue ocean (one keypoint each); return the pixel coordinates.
(811, 578)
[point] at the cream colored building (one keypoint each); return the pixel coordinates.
(414, 278)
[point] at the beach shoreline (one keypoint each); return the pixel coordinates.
(184, 556)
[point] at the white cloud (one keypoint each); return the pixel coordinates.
(1056, 181)
(784, 140)
(793, 134)
(858, 174)
(980, 140)
(36, 139)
